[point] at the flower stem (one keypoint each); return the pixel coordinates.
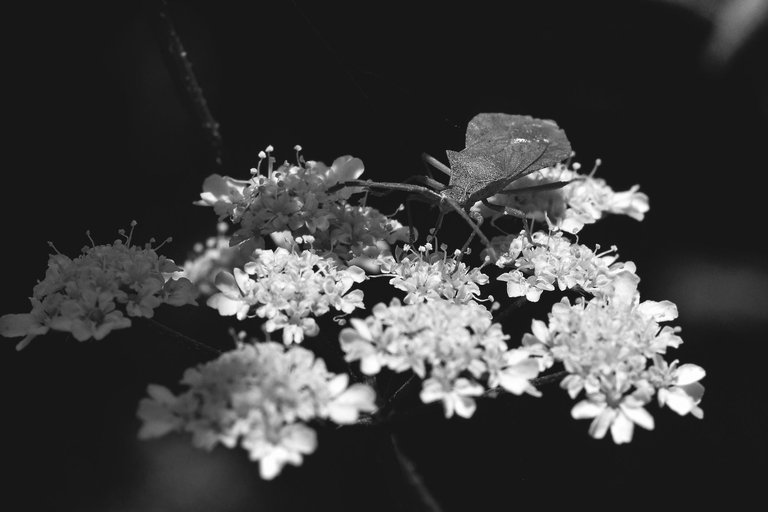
(428, 502)
(177, 55)
(515, 304)
(176, 334)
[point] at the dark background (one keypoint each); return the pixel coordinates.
(97, 133)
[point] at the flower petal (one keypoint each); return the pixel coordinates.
(638, 415)
(224, 305)
(660, 311)
(15, 325)
(622, 429)
(586, 409)
(689, 373)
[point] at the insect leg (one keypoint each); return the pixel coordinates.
(535, 188)
(439, 223)
(508, 210)
(426, 181)
(437, 164)
(464, 215)
(409, 215)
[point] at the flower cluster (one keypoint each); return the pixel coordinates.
(455, 348)
(584, 200)
(426, 275)
(261, 396)
(544, 260)
(296, 200)
(90, 295)
(611, 347)
(296, 253)
(286, 289)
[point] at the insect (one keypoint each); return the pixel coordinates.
(499, 149)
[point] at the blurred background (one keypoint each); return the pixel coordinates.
(672, 95)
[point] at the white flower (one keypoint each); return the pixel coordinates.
(545, 261)
(286, 444)
(90, 295)
(620, 417)
(606, 345)
(222, 193)
(584, 200)
(285, 288)
(456, 395)
(347, 402)
(234, 293)
(455, 348)
(427, 276)
(260, 396)
(303, 199)
(213, 256)
(516, 372)
(679, 387)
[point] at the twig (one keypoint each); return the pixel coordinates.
(176, 334)
(379, 414)
(409, 470)
(515, 304)
(194, 93)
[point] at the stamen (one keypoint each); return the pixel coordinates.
(399, 208)
(598, 162)
(53, 247)
(298, 154)
(612, 250)
(262, 156)
(167, 240)
(130, 235)
(88, 234)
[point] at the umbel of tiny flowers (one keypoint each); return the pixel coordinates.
(291, 201)
(287, 289)
(612, 347)
(425, 275)
(455, 348)
(544, 261)
(263, 396)
(90, 295)
(584, 200)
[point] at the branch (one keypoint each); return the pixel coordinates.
(515, 304)
(409, 470)
(175, 52)
(183, 337)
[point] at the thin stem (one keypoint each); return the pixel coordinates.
(176, 334)
(428, 501)
(504, 313)
(393, 398)
(379, 415)
(176, 53)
